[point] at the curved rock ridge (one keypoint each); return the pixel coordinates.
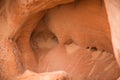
(59, 40)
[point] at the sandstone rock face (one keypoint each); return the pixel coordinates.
(58, 75)
(113, 10)
(59, 40)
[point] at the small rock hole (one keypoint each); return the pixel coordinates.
(69, 42)
(93, 49)
(87, 47)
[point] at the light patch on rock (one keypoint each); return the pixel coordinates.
(71, 48)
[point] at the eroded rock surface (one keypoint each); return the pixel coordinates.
(59, 40)
(58, 75)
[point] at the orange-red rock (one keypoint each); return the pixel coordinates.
(59, 40)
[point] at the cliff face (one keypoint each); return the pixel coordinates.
(59, 40)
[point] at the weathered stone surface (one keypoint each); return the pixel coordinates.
(59, 40)
(58, 75)
(113, 10)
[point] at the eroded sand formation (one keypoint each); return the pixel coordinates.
(59, 40)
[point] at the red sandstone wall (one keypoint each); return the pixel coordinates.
(42, 41)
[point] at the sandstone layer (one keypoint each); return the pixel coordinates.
(59, 40)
